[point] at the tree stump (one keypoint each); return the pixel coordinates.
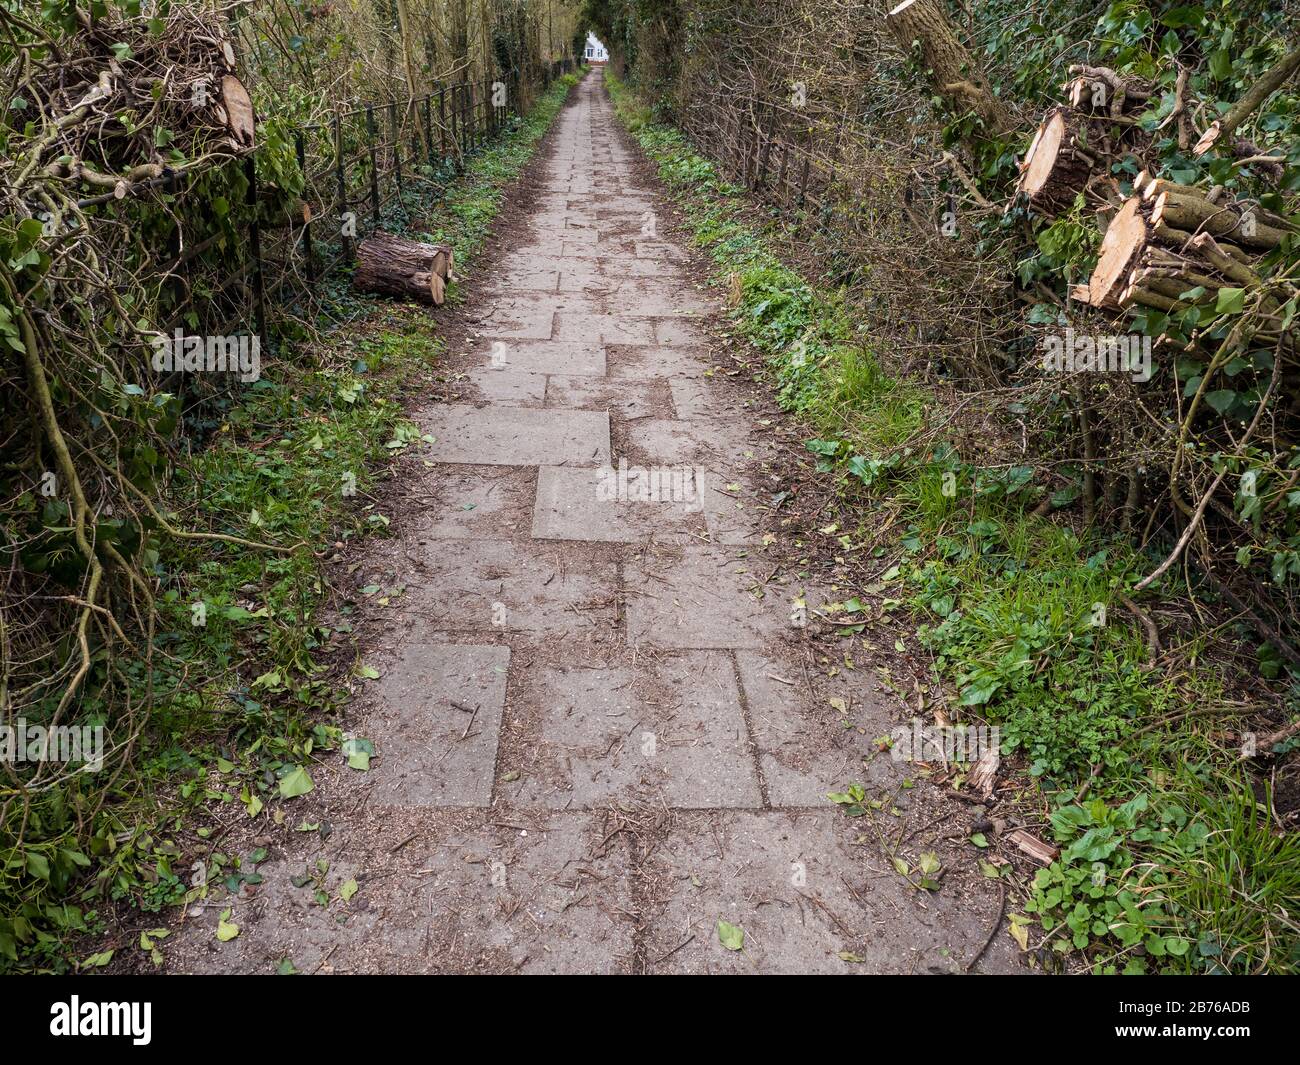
(1058, 163)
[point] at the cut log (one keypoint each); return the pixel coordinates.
(1169, 248)
(954, 71)
(1057, 166)
(239, 116)
(1072, 151)
(389, 265)
(1102, 91)
(1187, 211)
(1125, 237)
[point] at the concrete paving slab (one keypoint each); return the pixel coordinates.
(495, 587)
(523, 279)
(648, 362)
(670, 725)
(732, 518)
(605, 504)
(715, 443)
(602, 328)
(629, 399)
(570, 357)
(429, 751)
(695, 400)
(804, 748)
(659, 251)
(516, 436)
(642, 297)
(509, 389)
(477, 502)
(535, 323)
(681, 332)
(699, 598)
(795, 883)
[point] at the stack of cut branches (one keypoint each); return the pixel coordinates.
(1172, 242)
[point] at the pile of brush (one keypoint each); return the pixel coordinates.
(126, 101)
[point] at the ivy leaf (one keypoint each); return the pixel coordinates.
(731, 936)
(1221, 399)
(253, 804)
(358, 753)
(295, 782)
(1230, 301)
(225, 930)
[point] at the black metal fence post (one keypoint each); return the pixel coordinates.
(416, 138)
(397, 146)
(374, 164)
(428, 129)
(457, 126)
(340, 175)
(300, 150)
(255, 251)
(469, 115)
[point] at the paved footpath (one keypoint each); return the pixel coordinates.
(598, 732)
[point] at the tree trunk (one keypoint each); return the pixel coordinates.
(236, 111)
(952, 69)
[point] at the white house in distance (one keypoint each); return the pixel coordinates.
(595, 51)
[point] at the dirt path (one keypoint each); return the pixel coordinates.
(598, 732)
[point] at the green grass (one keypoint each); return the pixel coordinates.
(1026, 625)
(243, 699)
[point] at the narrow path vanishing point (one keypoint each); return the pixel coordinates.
(596, 736)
